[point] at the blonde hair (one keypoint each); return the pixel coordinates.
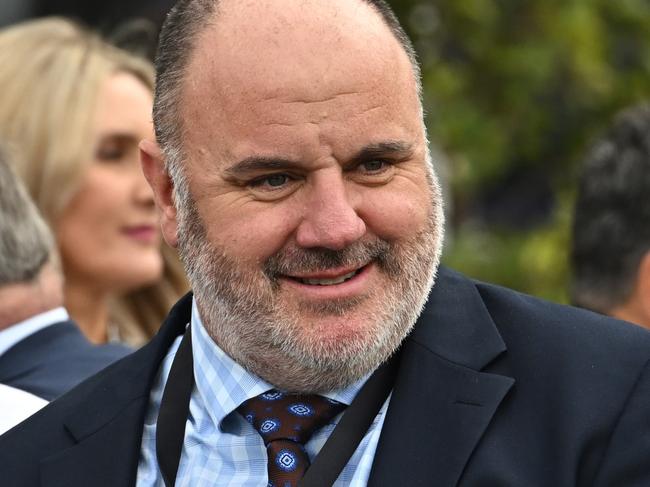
(50, 77)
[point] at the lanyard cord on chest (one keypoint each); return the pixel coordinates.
(333, 456)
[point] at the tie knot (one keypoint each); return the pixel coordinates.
(276, 415)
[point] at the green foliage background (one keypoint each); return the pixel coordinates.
(523, 84)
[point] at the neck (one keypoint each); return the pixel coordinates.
(89, 308)
(633, 313)
(21, 301)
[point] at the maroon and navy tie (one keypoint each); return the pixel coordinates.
(286, 422)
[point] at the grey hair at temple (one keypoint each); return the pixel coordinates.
(183, 23)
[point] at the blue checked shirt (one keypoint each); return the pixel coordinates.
(220, 447)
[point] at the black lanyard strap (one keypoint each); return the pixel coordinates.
(174, 409)
(330, 461)
(352, 427)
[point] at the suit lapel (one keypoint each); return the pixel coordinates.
(107, 458)
(106, 426)
(442, 402)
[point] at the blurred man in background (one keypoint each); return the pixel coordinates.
(41, 350)
(611, 230)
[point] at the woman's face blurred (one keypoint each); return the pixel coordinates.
(108, 235)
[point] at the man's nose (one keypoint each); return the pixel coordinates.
(330, 220)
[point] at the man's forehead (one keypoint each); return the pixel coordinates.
(273, 46)
(307, 76)
(272, 18)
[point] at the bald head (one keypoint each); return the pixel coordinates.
(267, 38)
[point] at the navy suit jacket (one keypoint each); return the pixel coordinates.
(55, 359)
(494, 389)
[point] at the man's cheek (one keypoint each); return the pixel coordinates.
(395, 216)
(257, 239)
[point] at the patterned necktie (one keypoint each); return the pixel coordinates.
(286, 422)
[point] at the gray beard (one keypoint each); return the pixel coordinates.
(241, 313)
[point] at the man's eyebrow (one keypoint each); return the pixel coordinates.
(395, 149)
(255, 164)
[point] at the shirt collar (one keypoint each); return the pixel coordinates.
(224, 385)
(21, 330)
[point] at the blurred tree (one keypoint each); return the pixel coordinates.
(514, 91)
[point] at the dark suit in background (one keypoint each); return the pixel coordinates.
(495, 389)
(53, 360)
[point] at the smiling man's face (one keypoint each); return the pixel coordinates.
(315, 225)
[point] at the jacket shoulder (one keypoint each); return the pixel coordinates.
(556, 328)
(92, 405)
(55, 359)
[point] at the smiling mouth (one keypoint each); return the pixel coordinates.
(322, 281)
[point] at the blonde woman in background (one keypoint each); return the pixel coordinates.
(73, 110)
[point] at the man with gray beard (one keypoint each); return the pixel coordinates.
(292, 171)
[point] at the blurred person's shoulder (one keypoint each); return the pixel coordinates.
(56, 358)
(102, 415)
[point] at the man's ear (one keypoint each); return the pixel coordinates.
(643, 288)
(154, 170)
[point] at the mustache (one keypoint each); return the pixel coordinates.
(294, 260)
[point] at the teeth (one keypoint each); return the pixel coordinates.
(329, 282)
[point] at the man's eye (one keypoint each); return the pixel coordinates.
(277, 180)
(273, 181)
(374, 166)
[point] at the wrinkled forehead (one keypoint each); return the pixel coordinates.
(298, 51)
